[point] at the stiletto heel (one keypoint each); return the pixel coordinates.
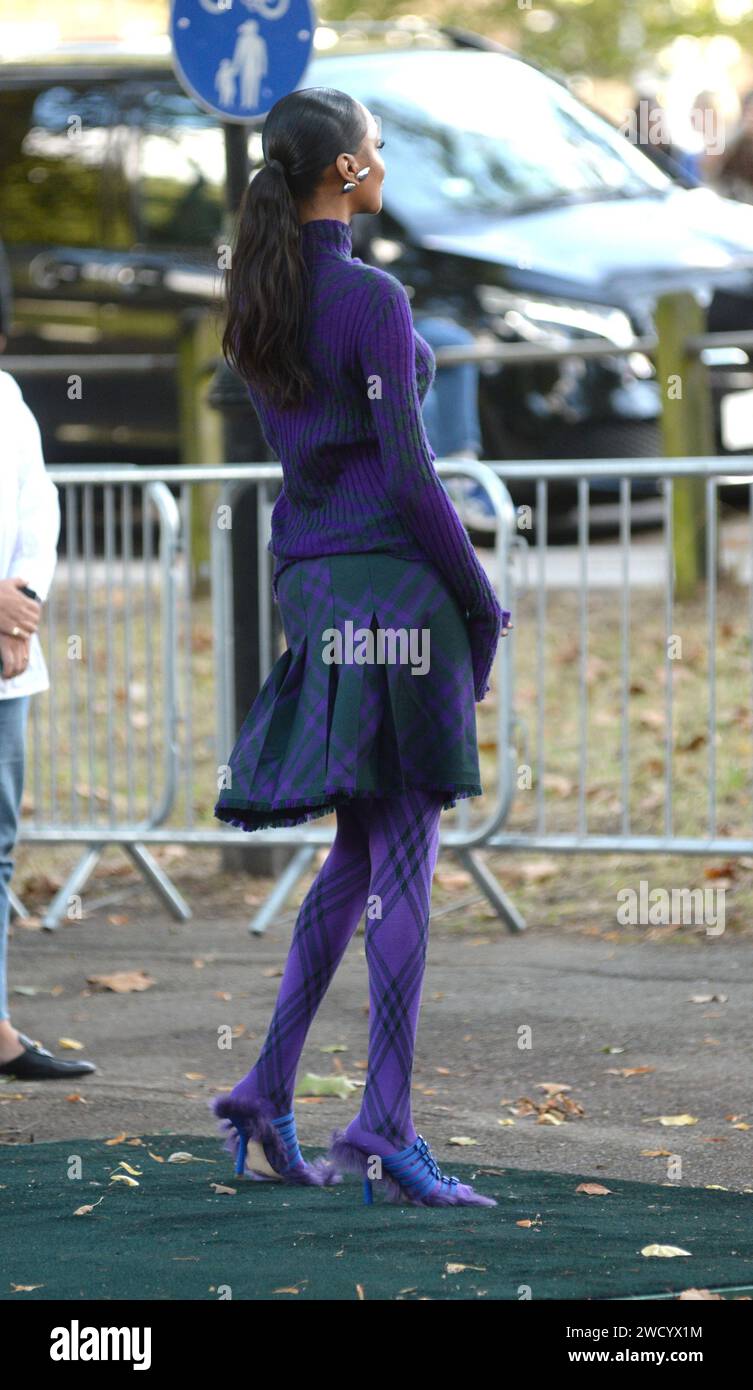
(411, 1176)
(240, 1161)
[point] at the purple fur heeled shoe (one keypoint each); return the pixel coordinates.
(266, 1149)
(411, 1176)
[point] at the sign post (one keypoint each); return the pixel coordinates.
(236, 58)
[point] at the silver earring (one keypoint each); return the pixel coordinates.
(349, 186)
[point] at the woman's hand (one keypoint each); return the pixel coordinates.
(16, 610)
(485, 632)
(14, 656)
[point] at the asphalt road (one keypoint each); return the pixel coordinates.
(159, 1063)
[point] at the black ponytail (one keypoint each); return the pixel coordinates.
(267, 284)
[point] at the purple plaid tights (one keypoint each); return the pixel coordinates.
(382, 862)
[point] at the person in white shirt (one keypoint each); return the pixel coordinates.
(29, 529)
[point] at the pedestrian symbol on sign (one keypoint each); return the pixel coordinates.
(236, 58)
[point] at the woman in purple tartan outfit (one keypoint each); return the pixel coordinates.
(337, 373)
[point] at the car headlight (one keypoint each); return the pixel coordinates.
(553, 320)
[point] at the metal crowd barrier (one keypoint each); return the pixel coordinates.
(125, 747)
(102, 749)
(136, 693)
(690, 826)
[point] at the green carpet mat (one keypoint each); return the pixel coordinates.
(174, 1237)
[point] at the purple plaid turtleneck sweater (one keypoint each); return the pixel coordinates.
(358, 468)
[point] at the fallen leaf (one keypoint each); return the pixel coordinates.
(122, 982)
(663, 1252)
(459, 879)
(554, 782)
(70, 1045)
(689, 1294)
(728, 870)
(223, 1191)
(84, 1211)
(462, 1140)
(628, 1071)
(539, 870)
(677, 1119)
(182, 1157)
(122, 1177)
(312, 1085)
(25, 1288)
(458, 1269)
(593, 1189)
(691, 746)
(557, 1107)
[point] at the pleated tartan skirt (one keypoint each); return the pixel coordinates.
(374, 695)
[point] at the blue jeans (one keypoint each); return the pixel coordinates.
(13, 716)
(450, 410)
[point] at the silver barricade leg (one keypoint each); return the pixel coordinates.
(160, 496)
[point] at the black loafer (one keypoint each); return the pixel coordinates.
(37, 1064)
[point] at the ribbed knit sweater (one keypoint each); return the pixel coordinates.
(358, 469)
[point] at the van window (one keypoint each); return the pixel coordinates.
(468, 132)
(175, 165)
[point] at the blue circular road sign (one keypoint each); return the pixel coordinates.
(236, 58)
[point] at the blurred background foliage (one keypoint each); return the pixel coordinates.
(610, 47)
(607, 38)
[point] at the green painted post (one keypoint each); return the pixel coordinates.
(201, 440)
(687, 429)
